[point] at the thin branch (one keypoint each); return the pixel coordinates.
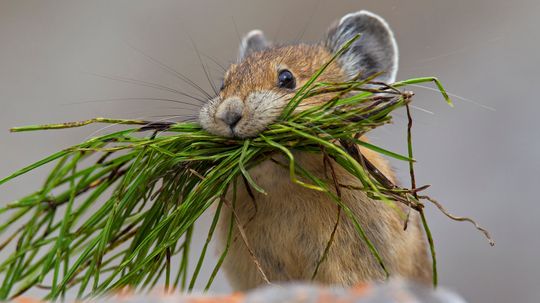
(328, 163)
(461, 219)
(246, 242)
(241, 230)
(415, 195)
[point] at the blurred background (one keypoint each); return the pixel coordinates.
(481, 157)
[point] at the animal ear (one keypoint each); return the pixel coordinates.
(254, 41)
(375, 51)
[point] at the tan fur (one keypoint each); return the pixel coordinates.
(259, 71)
(289, 228)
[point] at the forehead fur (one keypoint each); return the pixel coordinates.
(259, 71)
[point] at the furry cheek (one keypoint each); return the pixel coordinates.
(208, 121)
(261, 109)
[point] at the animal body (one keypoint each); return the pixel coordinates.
(289, 228)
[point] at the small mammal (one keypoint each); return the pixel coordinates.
(289, 228)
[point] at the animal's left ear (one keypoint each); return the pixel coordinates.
(375, 51)
(254, 41)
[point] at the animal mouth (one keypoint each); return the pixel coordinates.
(234, 134)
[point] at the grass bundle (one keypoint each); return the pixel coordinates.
(115, 210)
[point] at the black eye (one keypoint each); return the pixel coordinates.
(286, 79)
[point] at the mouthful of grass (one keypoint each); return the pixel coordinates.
(117, 209)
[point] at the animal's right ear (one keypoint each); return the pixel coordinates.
(374, 52)
(254, 41)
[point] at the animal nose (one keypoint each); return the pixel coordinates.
(230, 111)
(232, 118)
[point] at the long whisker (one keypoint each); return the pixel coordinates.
(135, 99)
(178, 110)
(215, 61)
(457, 97)
(276, 33)
(422, 109)
(139, 118)
(270, 101)
(107, 127)
(308, 22)
(173, 116)
(205, 69)
(196, 110)
(468, 48)
(190, 115)
(148, 84)
(236, 29)
(173, 71)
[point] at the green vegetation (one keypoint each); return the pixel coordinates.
(116, 209)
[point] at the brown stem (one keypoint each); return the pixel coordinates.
(461, 219)
(246, 242)
(327, 163)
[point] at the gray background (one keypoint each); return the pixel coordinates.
(481, 162)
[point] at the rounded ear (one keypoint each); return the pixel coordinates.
(375, 51)
(254, 41)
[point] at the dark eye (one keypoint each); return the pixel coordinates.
(286, 79)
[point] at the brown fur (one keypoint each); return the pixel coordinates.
(259, 71)
(289, 228)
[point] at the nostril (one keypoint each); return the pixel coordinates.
(232, 118)
(230, 111)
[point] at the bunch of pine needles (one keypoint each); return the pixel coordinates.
(116, 209)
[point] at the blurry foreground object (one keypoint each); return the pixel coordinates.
(395, 291)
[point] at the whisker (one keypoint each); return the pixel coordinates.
(141, 118)
(450, 53)
(192, 114)
(270, 101)
(179, 108)
(148, 84)
(277, 32)
(133, 99)
(308, 22)
(456, 96)
(109, 126)
(236, 29)
(173, 71)
(422, 109)
(215, 61)
(173, 116)
(205, 69)
(483, 43)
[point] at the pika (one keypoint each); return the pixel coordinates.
(289, 228)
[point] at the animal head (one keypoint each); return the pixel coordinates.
(257, 88)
